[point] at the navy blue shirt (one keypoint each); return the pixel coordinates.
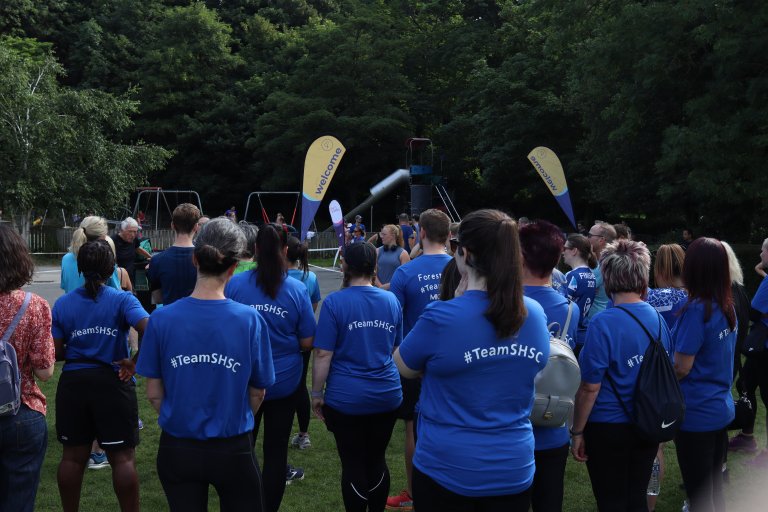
(173, 272)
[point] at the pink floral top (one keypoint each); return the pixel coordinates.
(32, 340)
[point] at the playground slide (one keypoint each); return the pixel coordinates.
(398, 178)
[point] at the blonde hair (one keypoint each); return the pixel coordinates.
(737, 275)
(91, 228)
(668, 265)
(111, 245)
(397, 232)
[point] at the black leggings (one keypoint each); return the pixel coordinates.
(547, 489)
(754, 374)
(700, 456)
(619, 466)
(187, 467)
(429, 496)
(362, 443)
(302, 395)
(278, 420)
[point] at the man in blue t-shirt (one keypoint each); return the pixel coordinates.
(408, 235)
(415, 285)
(171, 274)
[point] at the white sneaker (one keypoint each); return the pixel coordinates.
(301, 441)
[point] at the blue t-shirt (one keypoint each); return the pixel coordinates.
(207, 353)
(416, 284)
(760, 300)
(600, 302)
(667, 301)
(310, 281)
(289, 318)
(407, 233)
(95, 330)
(173, 272)
(558, 282)
(556, 309)
(581, 290)
(616, 344)
(707, 388)
(361, 325)
(476, 390)
(71, 278)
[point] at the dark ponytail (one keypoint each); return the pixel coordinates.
(494, 245)
(270, 273)
(298, 251)
(96, 262)
(581, 244)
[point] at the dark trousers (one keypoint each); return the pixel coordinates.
(619, 466)
(700, 456)
(278, 420)
(302, 395)
(429, 496)
(754, 374)
(187, 467)
(361, 441)
(547, 489)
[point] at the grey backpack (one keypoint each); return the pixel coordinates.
(557, 383)
(10, 377)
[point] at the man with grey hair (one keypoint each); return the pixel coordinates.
(127, 247)
(600, 235)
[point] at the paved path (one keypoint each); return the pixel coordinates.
(47, 279)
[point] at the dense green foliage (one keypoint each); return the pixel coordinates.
(656, 108)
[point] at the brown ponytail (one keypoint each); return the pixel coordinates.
(492, 239)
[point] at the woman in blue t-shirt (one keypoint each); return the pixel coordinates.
(669, 295)
(355, 385)
(283, 303)
(96, 394)
(479, 354)
(298, 268)
(580, 281)
(542, 244)
(207, 361)
(619, 461)
(91, 228)
(704, 339)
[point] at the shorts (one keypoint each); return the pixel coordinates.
(411, 392)
(95, 404)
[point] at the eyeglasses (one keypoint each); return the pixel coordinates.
(593, 234)
(568, 247)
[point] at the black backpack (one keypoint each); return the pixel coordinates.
(659, 405)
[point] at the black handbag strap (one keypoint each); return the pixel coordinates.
(652, 340)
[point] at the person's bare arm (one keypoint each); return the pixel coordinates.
(321, 365)
(256, 397)
(683, 365)
(586, 396)
(403, 368)
(43, 373)
(155, 393)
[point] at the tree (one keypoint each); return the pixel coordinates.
(60, 146)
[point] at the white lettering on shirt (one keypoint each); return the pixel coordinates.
(378, 324)
(513, 349)
(223, 360)
(270, 308)
(635, 360)
(106, 331)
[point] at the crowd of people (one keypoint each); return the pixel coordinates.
(444, 326)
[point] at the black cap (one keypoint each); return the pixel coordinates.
(361, 257)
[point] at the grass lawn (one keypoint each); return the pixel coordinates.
(319, 491)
